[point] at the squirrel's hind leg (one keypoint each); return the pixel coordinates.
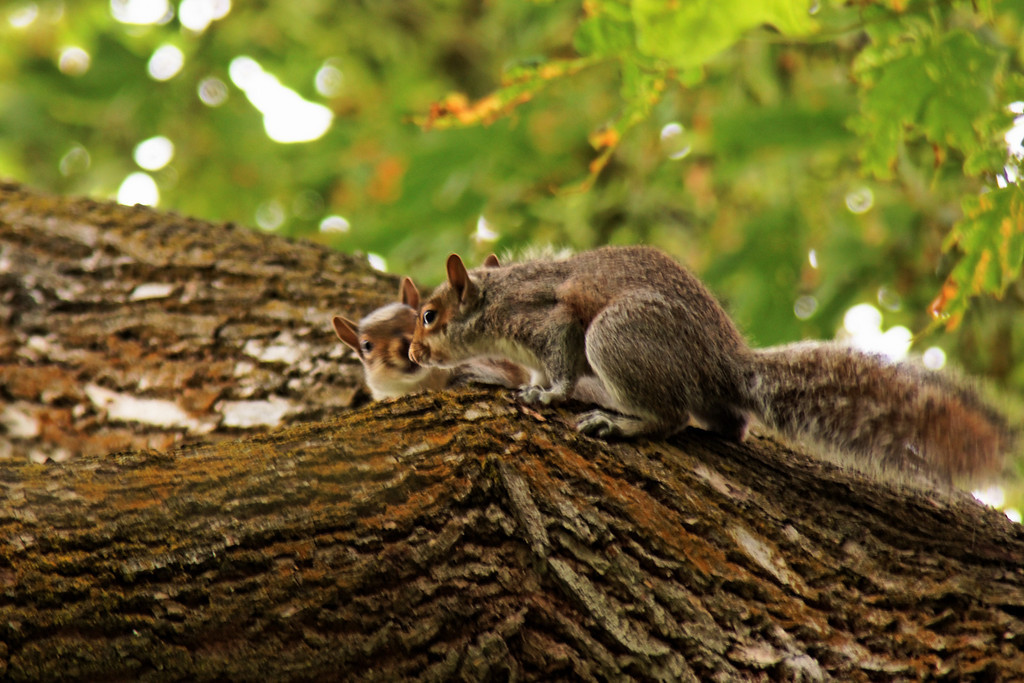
(632, 346)
(603, 424)
(545, 396)
(731, 424)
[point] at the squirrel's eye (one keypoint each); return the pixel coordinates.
(429, 316)
(366, 345)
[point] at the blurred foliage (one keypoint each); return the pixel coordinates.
(788, 150)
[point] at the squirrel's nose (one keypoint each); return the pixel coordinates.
(418, 353)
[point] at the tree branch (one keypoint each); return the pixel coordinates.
(455, 535)
(125, 327)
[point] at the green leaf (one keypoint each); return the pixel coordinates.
(940, 89)
(991, 236)
(608, 31)
(688, 34)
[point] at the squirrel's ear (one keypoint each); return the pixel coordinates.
(346, 331)
(408, 294)
(458, 278)
(491, 261)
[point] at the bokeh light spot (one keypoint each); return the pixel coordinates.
(166, 62)
(74, 61)
(138, 188)
(154, 153)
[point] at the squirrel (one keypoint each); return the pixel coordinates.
(666, 351)
(381, 341)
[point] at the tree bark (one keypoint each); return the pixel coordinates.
(461, 535)
(124, 327)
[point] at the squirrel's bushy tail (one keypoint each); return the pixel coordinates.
(893, 415)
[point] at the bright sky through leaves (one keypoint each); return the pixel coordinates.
(287, 117)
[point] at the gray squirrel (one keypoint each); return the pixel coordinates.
(666, 351)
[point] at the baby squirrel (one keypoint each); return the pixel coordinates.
(666, 351)
(381, 340)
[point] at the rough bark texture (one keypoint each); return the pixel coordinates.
(129, 328)
(464, 536)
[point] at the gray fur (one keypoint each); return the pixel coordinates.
(666, 352)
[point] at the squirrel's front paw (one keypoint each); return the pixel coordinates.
(535, 394)
(598, 423)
